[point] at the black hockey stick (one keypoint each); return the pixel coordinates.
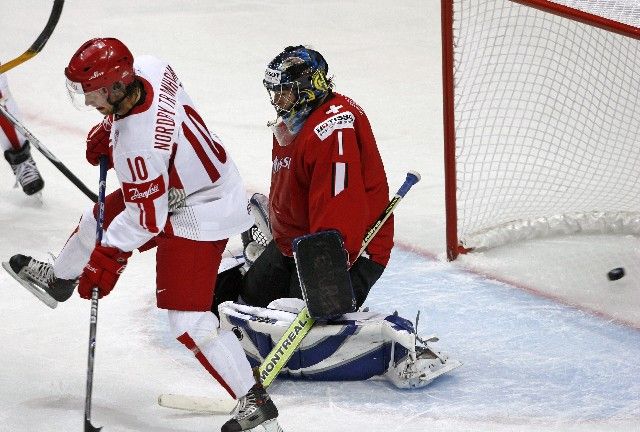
(37, 46)
(93, 322)
(302, 323)
(45, 151)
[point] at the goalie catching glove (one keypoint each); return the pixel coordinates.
(103, 270)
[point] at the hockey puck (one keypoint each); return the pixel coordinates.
(616, 273)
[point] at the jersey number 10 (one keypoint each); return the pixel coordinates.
(204, 137)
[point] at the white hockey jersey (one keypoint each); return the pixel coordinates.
(175, 174)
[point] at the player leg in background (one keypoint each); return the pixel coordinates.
(16, 148)
(272, 276)
(364, 274)
(186, 274)
(228, 286)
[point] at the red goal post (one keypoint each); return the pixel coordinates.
(541, 119)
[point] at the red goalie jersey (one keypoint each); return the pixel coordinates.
(331, 176)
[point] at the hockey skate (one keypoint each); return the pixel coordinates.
(25, 170)
(255, 412)
(38, 278)
(420, 366)
(256, 238)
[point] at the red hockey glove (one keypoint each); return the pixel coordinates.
(102, 270)
(98, 142)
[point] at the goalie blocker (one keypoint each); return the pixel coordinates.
(322, 267)
(321, 262)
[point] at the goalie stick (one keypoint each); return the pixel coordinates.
(38, 45)
(293, 336)
(45, 151)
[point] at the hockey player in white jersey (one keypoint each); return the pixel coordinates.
(180, 192)
(15, 146)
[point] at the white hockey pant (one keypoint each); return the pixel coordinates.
(76, 252)
(219, 351)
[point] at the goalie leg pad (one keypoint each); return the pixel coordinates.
(358, 346)
(344, 351)
(219, 352)
(414, 362)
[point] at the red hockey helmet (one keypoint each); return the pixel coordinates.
(99, 63)
(94, 68)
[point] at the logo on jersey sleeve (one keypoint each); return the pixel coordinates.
(278, 164)
(141, 192)
(342, 120)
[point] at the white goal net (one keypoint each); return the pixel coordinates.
(544, 120)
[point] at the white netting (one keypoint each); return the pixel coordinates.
(547, 122)
(624, 11)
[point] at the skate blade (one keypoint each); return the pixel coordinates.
(38, 198)
(35, 290)
(35, 199)
(447, 367)
(268, 426)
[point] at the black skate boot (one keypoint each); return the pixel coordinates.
(37, 277)
(254, 410)
(25, 170)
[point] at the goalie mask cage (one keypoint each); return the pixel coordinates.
(541, 119)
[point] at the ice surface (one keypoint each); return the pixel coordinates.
(530, 362)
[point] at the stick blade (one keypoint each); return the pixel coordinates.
(197, 404)
(88, 427)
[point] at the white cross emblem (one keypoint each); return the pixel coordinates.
(334, 109)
